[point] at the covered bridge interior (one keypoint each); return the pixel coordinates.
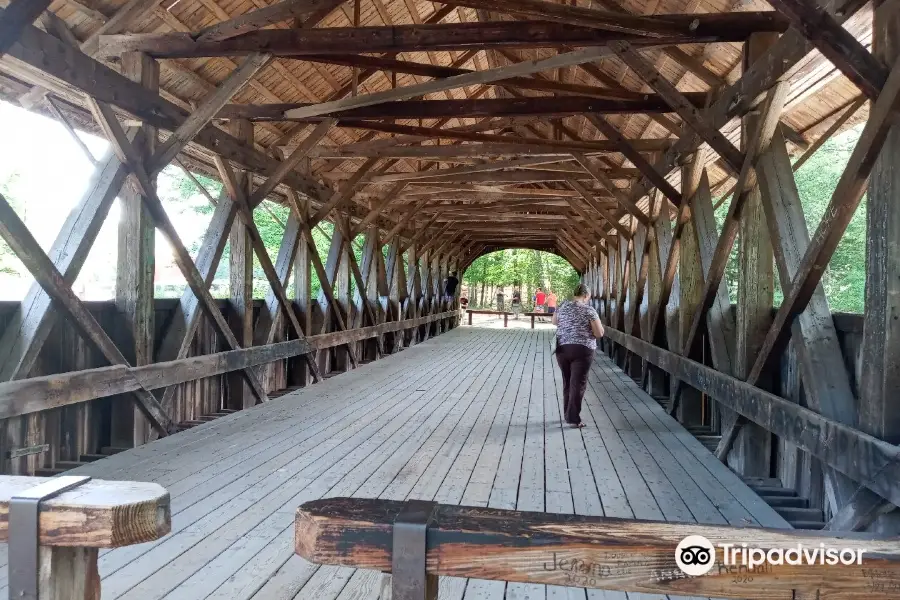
(432, 133)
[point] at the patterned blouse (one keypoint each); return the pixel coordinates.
(574, 324)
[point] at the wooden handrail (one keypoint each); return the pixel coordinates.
(26, 396)
(75, 524)
(866, 459)
(594, 552)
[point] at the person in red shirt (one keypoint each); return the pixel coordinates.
(539, 298)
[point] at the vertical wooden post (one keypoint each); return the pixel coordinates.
(414, 287)
(303, 294)
(396, 289)
(134, 270)
(68, 573)
(241, 278)
(753, 448)
(342, 295)
(611, 280)
(690, 285)
(879, 406)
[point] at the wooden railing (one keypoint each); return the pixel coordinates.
(53, 391)
(592, 552)
(54, 542)
(870, 462)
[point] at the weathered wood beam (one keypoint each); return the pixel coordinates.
(876, 409)
(778, 62)
(27, 249)
(835, 43)
(529, 106)
(276, 280)
(47, 55)
(838, 123)
(759, 143)
(30, 325)
(628, 149)
(436, 133)
(130, 12)
(135, 268)
(686, 110)
(645, 25)
(683, 29)
(393, 65)
(346, 192)
(17, 16)
(467, 170)
(291, 162)
(576, 551)
(64, 121)
(846, 198)
(127, 153)
(389, 198)
(474, 150)
(857, 455)
(262, 17)
(41, 393)
(825, 380)
(327, 274)
(457, 81)
(202, 115)
(592, 222)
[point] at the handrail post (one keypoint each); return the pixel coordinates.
(409, 579)
(54, 532)
(24, 531)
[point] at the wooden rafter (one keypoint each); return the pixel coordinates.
(685, 29)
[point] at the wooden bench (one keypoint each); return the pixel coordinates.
(576, 551)
(489, 312)
(54, 542)
(534, 315)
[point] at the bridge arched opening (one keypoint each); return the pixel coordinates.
(512, 269)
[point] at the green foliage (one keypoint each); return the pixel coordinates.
(844, 281)
(523, 269)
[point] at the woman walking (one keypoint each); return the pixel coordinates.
(578, 328)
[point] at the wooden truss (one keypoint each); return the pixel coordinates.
(556, 128)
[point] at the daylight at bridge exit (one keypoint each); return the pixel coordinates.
(449, 299)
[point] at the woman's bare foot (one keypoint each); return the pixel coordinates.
(576, 425)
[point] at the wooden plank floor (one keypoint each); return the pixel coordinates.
(471, 417)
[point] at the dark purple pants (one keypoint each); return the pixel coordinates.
(574, 362)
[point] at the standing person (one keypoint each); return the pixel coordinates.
(516, 303)
(539, 298)
(450, 286)
(500, 300)
(578, 329)
(551, 302)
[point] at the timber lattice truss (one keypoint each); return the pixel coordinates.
(442, 131)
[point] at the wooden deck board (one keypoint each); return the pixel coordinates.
(470, 417)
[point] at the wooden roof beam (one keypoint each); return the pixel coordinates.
(18, 15)
(745, 93)
(473, 150)
(528, 83)
(477, 77)
(437, 133)
(257, 19)
(835, 43)
(494, 108)
(645, 25)
(686, 110)
(681, 29)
